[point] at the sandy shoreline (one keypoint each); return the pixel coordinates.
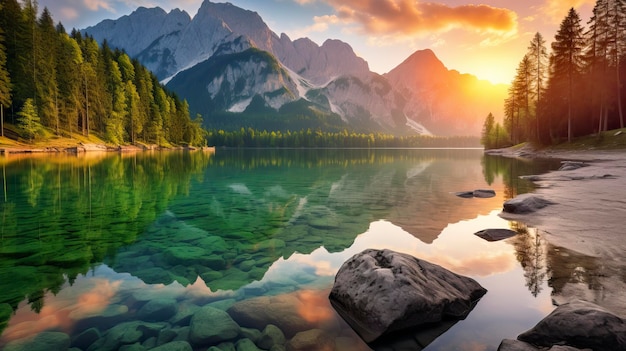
(588, 217)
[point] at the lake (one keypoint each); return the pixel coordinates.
(122, 251)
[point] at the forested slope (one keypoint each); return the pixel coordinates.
(55, 83)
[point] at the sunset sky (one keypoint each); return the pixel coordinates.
(487, 39)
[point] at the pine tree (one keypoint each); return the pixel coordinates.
(28, 120)
(538, 57)
(5, 81)
(45, 49)
(568, 60)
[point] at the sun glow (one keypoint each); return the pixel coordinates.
(496, 73)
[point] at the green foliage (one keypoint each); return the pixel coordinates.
(29, 121)
(74, 85)
(494, 136)
(308, 138)
(5, 79)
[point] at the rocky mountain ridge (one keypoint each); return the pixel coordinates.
(202, 59)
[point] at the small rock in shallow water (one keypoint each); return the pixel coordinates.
(495, 234)
(525, 203)
(484, 193)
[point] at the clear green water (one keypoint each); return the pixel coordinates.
(86, 243)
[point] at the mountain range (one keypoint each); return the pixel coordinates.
(236, 72)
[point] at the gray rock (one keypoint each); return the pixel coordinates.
(271, 336)
(484, 193)
(211, 326)
(579, 324)
(158, 310)
(525, 203)
(174, 346)
(572, 165)
(45, 341)
(479, 193)
(381, 291)
(495, 234)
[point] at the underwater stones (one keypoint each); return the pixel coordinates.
(154, 275)
(158, 310)
(495, 234)
(314, 339)
(184, 312)
(382, 291)
(290, 312)
(281, 311)
(45, 341)
(212, 244)
(174, 346)
(210, 326)
(185, 255)
(246, 344)
(271, 245)
(86, 338)
(127, 333)
(270, 336)
(110, 316)
(247, 265)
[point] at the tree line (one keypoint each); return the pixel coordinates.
(249, 137)
(67, 83)
(575, 90)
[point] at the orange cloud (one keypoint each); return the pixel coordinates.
(410, 17)
(557, 9)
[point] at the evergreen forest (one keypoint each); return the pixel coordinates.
(57, 84)
(249, 137)
(575, 90)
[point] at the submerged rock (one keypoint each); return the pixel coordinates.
(495, 234)
(379, 292)
(211, 326)
(42, 342)
(525, 203)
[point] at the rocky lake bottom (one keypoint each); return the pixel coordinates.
(238, 250)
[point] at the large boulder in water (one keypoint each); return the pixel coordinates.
(379, 292)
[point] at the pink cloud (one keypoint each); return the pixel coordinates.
(409, 17)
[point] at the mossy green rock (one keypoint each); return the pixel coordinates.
(210, 326)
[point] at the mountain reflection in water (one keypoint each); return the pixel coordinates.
(87, 244)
